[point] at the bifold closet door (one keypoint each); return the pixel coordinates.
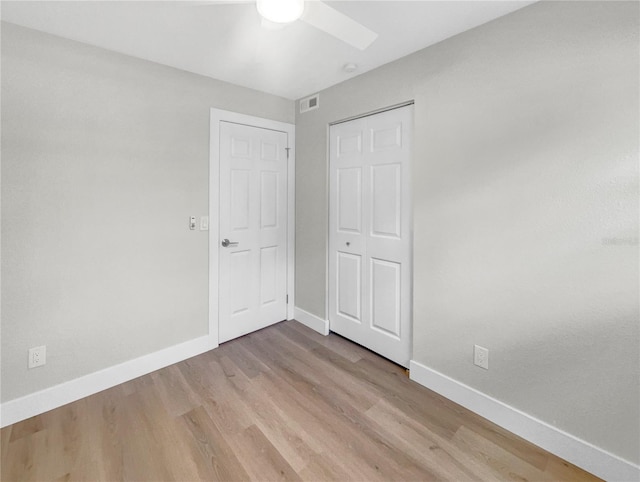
(370, 232)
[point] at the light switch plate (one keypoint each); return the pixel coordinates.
(204, 223)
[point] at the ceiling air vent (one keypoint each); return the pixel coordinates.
(310, 103)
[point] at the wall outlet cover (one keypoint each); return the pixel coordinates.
(481, 356)
(37, 356)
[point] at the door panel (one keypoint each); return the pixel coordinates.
(349, 286)
(386, 136)
(268, 274)
(268, 200)
(240, 261)
(270, 151)
(349, 142)
(240, 199)
(253, 214)
(240, 147)
(370, 232)
(386, 200)
(349, 199)
(385, 296)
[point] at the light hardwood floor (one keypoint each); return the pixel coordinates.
(281, 403)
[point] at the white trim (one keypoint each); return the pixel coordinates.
(312, 321)
(39, 402)
(291, 224)
(327, 230)
(214, 224)
(217, 116)
(572, 449)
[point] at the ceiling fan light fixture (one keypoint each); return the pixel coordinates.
(280, 11)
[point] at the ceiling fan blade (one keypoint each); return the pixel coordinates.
(336, 23)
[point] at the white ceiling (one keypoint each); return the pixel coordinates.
(226, 40)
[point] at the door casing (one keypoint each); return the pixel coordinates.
(216, 117)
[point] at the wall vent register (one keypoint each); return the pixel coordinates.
(310, 103)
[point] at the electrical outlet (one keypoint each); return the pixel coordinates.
(481, 356)
(37, 356)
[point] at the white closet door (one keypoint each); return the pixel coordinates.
(253, 219)
(370, 232)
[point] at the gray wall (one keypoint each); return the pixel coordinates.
(525, 210)
(104, 158)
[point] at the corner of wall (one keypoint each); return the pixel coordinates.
(311, 321)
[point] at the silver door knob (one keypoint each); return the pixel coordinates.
(226, 243)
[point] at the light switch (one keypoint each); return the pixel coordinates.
(204, 223)
(192, 223)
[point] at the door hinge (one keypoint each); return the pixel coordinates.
(287, 149)
(287, 299)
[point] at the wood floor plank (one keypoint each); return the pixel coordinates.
(283, 403)
(329, 435)
(5, 436)
(220, 460)
(67, 439)
(281, 430)
(230, 416)
(263, 459)
(239, 381)
(423, 445)
(176, 394)
(508, 466)
(317, 372)
(103, 442)
(136, 384)
(198, 376)
(26, 427)
(244, 359)
(558, 469)
(321, 468)
(337, 344)
(346, 422)
(155, 447)
(27, 458)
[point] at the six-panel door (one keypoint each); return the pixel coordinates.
(253, 214)
(369, 232)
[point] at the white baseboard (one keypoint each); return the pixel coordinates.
(312, 321)
(560, 443)
(39, 402)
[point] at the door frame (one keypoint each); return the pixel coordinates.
(216, 117)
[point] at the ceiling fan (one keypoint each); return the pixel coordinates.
(315, 13)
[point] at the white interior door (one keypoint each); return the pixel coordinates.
(253, 221)
(370, 232)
